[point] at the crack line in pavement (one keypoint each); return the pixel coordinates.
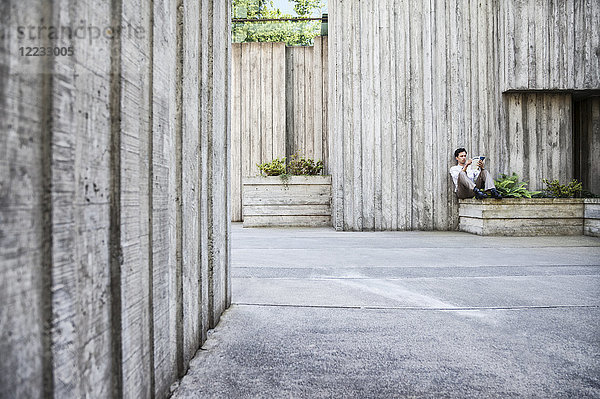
(413, 267)
(412, 278)
(252, 248)
(525, 307)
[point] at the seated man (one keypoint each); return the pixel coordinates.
(468, 183)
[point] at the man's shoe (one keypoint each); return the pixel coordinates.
(495, 193)
(479, 194)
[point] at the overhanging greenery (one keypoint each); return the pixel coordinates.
(290, 32)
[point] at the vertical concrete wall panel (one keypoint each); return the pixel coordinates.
(441, 191)
(317, 103)
(355, 145)
(218, 138)
(164, 193)
(322, 106)
(334, 100)
(386, 165)
(24, 210)
(266, 101)
(279, 101)
(81, 188)
(191, 187)
(134, 172)
(236, 133)
(587, 143)
(205, 88)
(227, 155)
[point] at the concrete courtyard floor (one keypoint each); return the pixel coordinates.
(324, 314)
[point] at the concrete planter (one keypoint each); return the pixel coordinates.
(530, 217)
(591, 217)
(303, 201)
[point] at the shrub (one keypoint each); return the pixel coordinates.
(304, 166)
(274, 168)
(511, 187)
(556, 190)
(297, 166)
(588, 194)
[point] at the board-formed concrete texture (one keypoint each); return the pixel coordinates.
(525, 216)
(114, 194)
(411, 81)
(300, 201)
(591, 213)
(279, 107)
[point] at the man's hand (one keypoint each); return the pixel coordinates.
(467, 163)
(480, 164)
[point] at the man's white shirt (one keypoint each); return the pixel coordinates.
(472, 174)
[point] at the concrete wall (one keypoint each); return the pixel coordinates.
(545, 44)
(113, 196)
(550, 57)
(537, 141)
(279, 107)
(258, 109)
(306, 95)
(412, 81)
(587, 142)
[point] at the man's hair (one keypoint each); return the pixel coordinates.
(458, 151)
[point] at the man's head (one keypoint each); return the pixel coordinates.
(461, 155)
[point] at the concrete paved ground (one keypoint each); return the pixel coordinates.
(325, 314)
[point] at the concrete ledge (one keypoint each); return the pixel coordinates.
(300, 201)
(528, 217)
(591, 215)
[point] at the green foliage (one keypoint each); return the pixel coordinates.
(290, 32)
(305, 7)
(556, 190)
(511, 187)
(304, 166)
(274, 168)
(297, 166)
(253, 9)
(588, 194)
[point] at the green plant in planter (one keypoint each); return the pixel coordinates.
(588, 194)
(274, 168)
(297, 166)
(511, 187)
(556, 190)
(304, 166)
